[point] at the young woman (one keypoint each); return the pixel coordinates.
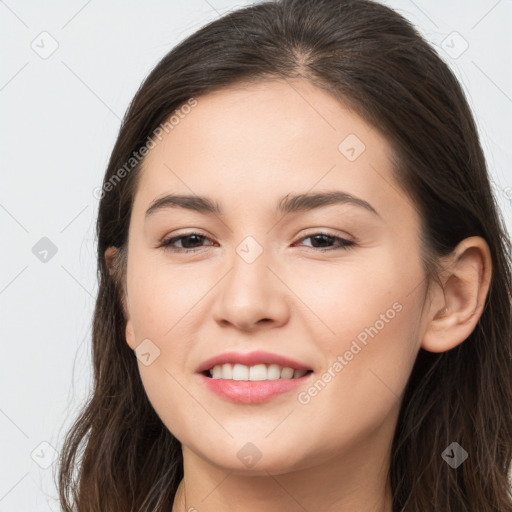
(305, 286)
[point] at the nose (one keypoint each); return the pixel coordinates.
(252, 296)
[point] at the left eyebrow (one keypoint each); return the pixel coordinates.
(310, 201)
(287, 204)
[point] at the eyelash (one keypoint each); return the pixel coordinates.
(344, 244)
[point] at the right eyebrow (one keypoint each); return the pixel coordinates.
(195, 203)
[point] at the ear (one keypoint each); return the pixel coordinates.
(112, 261)
(457, 306)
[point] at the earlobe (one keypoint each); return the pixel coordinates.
(457, 307)
(112, 262)
(130, 335)
(129, 330)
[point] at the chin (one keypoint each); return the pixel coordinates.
(253, 459)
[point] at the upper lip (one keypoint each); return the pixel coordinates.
(251, 359)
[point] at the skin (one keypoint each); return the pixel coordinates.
(246, 147)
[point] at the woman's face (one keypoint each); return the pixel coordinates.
(255, 279)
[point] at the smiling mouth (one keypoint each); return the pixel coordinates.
(258, 372)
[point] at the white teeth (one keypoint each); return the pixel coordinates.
(227, 371)
(254, 373)
(287, 373)
(273, 372)
(258, 372)
(240, 372)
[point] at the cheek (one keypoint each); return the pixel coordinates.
(360, 297)
(159, 296)
(167, 392)
(369, 332)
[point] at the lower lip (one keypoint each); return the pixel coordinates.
(252, 392)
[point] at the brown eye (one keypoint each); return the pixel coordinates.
(321, 241)
(190, 242)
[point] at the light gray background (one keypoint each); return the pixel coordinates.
(60, 117)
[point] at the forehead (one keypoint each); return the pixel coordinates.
(277, 115)
(265, 140)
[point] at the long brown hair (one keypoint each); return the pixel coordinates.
(119, 455)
